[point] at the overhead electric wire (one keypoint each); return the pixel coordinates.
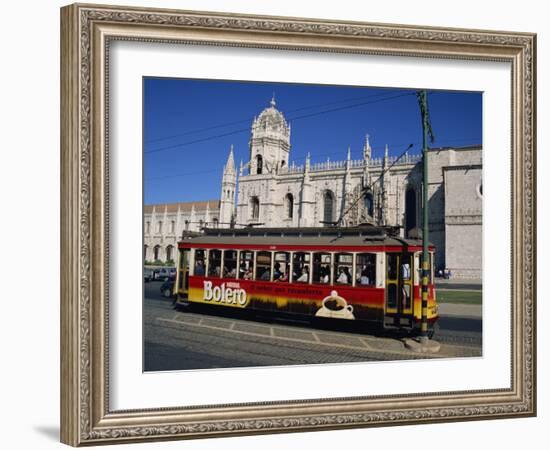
(183, 144)
(213, 127)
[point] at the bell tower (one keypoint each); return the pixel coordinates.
(269, 142)
(227, 197)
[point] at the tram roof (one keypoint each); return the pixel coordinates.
(318, 236)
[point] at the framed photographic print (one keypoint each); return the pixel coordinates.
(278, 224)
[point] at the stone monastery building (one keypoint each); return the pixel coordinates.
(271, 191)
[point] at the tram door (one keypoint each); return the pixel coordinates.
(399, 287)
(182, 282)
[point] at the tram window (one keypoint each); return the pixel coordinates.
(182, 258)
(246, 265)
(183, 268)
(300, 267)
(321, 268)
(406, 267)
(392, 296)
(214, 263)
(343, 263)
(199, 263)
(230, 264)
(281, 267)
(263, 266)
(392, 266)
(365, 269)
(406, 296)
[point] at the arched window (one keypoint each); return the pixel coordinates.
(145, 252)
(216, 222)
(172, 226)
(410, 209)
(156, 252)
(254, 208)
(289, 203)
(159, 226)
(148, 227)
(186, 225)
(369, 204)
(328, 208)
(169, 253)
(259, 164)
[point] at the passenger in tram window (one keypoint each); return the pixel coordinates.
(265, 275)
(304, 277)
(277, 272)
(324, 275)
(242, 269)
(284, 276)
(229, 273)
(247, 274)
(319, 277)
(348, 274)
(342, 277)
(406, 271)
(199, 268)
(364, 279)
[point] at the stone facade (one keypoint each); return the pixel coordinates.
(270, 190)
(163, 225)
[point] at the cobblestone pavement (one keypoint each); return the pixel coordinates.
(199, 339)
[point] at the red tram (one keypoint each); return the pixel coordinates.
(355, 273)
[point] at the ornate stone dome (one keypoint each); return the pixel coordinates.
(271, 119)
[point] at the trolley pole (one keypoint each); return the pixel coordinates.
(423, 102)
(423, 344)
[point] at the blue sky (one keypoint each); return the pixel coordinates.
(189, 126)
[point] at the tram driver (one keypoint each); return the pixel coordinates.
(199, 268)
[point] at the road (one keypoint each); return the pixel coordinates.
(206, 338)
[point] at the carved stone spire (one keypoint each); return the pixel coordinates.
(385, 188)
(347, 185)
(229, 187)
(367, 150)
(229, 167)
(307, 198)
(367, 155)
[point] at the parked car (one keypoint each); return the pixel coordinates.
(165, 272)
(147, 275)
(167, 288)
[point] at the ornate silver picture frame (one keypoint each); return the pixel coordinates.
(87, 33)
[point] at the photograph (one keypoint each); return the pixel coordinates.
(282, 223)
(288, 224)
(275, 225)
